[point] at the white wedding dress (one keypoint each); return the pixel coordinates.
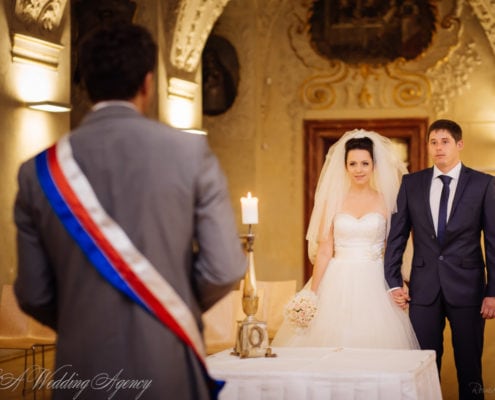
(354, 307)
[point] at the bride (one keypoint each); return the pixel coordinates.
(354, 200)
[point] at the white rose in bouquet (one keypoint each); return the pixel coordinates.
(301, 309)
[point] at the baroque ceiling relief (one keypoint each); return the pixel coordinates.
(450, 78)
(485, 11)
(439, 70)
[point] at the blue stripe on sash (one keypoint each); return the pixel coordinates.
(93, 252)
(78, 233)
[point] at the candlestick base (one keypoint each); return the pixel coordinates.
(252, 339)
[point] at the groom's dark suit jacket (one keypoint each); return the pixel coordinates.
(457, 267)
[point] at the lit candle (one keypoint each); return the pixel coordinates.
(249, 207)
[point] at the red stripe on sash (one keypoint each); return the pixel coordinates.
(114, 257)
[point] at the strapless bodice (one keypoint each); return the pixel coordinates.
(359, 238)
(352, 295)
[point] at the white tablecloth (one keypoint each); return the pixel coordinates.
(328, 373)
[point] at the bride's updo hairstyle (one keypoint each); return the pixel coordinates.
(334, 181)
(362, 143)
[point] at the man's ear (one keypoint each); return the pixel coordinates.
(144, 96)
(147, 87)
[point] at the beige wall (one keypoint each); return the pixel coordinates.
(23, 132)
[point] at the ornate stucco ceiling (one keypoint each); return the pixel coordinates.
(485, 12)
(194, 22)
(197, 17)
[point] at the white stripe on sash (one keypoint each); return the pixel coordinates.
(136, 261)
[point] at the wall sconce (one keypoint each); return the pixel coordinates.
(196, 131)
(49, 106)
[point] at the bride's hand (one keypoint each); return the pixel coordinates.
(401, 297)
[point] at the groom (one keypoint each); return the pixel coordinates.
(447, 207)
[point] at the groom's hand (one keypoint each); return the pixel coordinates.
(401, 297)
(488, 308)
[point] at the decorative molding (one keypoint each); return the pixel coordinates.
(44, 14)
(181, 88)
(366, 87)
(194, 23)
(411, 89)
(485, 12)
(27, 49)
(399, 84)
(318, 92)
(450, 78)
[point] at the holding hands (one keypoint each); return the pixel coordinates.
(400, 296)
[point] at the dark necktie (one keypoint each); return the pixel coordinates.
(442, 211)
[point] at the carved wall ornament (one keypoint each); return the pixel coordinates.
(43, 14)
(194, 23)
(318, 92)
(411, 89)
(450, 77)
(485, 11)
(368, 84)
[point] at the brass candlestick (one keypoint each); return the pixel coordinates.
(252, 335)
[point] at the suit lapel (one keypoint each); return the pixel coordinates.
(461, 186)
(427, 177)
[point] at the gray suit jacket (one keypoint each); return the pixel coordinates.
(166, 190)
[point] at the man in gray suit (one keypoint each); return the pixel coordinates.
(111, 266)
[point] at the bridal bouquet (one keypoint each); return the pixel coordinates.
(301, 309)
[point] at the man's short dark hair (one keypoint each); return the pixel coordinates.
(446, 124)
(115, 59)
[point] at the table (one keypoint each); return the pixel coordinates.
(299, 373)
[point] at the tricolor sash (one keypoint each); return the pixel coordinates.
(111, 251)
